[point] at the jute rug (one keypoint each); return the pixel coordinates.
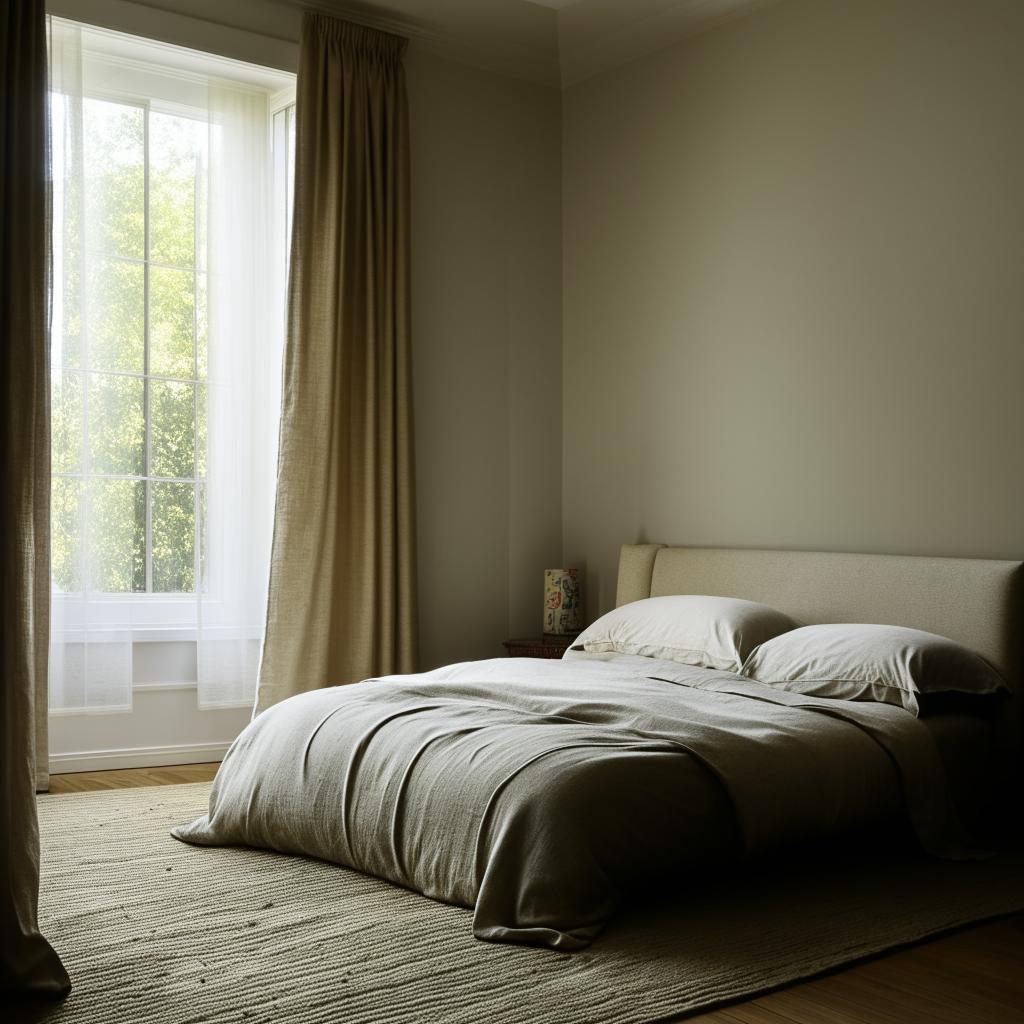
(152, 930)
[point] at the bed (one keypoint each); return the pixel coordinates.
(542, 794)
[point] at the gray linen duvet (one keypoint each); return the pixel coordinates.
(540, 792)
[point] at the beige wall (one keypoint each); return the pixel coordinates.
(487, 354)
(793, 306)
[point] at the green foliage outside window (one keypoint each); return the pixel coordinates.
(117, 431)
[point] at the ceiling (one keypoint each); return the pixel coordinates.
(555, 42)
(596, 35)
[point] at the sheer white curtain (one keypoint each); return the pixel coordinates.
(161, 519)
(244, 371)
(90, 639)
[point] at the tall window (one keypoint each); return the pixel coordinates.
(169, 273)
(129, 410)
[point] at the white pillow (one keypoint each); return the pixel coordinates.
(713, 632)
(856, 661)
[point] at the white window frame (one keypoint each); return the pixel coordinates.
(159, 617)
(149, 615)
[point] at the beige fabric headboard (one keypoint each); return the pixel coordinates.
(976, 602)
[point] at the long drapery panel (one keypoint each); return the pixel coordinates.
(28, 964)
(342, 582)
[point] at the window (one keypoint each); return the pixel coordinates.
(170, 226)
(129, 408)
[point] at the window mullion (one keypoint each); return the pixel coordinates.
(147, 455)
(133, 375)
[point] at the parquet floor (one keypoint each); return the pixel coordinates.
(125, 778)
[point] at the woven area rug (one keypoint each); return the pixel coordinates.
(153, 930)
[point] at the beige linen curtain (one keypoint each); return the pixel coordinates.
(342, 575)
(28, 965)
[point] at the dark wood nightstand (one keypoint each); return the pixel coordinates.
(547, 646)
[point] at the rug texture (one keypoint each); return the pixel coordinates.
(153, 930)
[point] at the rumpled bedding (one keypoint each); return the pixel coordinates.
(540, 793)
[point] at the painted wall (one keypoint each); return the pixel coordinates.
(487, 353)
(793, 304)
(487, 367)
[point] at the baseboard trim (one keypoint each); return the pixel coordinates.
(137, 757)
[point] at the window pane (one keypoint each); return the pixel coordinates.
(116, 312)
(66, 333)
(65, 536)
(201, 314)
(203, 539)
(176, 156)
(66, 423)
(173, 525)
(117, 431)
(172, 428)
(67, 235)
(201, 418)
(117, 536)
(114, 151)
(171, 307)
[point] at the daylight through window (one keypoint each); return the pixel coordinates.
(129, 409)
(171, 171)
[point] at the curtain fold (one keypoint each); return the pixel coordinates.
(342, 580)
(90, 660)
(28, 964)
(244, 365)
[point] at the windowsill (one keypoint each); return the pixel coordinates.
(143, 618)
(164, 635)
(183, 686)
(148, 634)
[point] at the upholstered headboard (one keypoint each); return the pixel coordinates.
(977, 602)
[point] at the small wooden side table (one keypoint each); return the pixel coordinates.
(549, 645)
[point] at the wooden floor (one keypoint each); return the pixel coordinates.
(129, 778)
(975, 976)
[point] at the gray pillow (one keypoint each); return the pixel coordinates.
(713, 632)
(856, 661)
